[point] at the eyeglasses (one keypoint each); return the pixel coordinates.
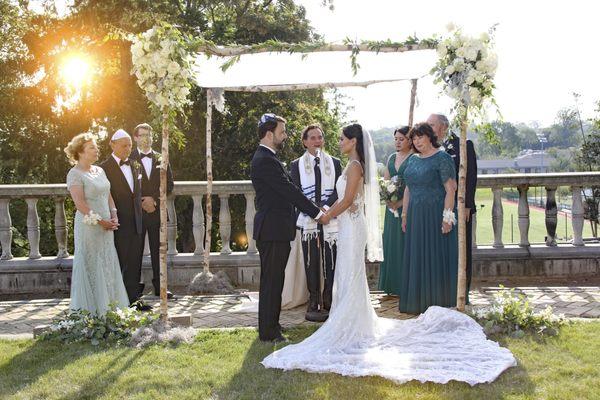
(266, 118)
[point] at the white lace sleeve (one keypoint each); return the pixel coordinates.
(74, 178)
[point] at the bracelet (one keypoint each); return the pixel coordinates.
(113, 209)
(91, 218)
(449, 217)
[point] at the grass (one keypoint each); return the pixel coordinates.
(537, 222)
(225, 365)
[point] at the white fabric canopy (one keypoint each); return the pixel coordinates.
(284, 71)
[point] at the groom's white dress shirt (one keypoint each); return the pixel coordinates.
(320, 214)
(126, 169)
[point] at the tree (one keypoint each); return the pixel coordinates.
(34, 128)
(588, 159)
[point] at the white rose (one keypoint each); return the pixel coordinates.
(470, 79)
(450, 69)
(450, 26)
(460, 52)
(479, 77)
(474, 95)
(173, 68)
(484, 37)
(151, 88)
(487, 84)
(471, 54)
(391, 188)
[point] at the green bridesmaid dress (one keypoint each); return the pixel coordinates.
(429, 274)
(390, 270)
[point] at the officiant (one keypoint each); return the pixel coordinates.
(316, 173)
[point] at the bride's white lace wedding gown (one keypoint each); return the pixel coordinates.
(438, 346)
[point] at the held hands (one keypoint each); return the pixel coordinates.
(325, 218)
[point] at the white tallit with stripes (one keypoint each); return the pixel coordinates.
(306, 168)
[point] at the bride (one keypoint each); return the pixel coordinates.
(438, 346)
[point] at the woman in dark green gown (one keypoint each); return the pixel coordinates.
(428, 219)
(390, 270)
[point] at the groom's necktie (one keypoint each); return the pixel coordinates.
(317, 182)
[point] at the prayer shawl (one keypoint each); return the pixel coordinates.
(307, 180)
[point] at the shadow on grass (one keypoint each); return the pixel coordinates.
(253, 381)
(40, 358)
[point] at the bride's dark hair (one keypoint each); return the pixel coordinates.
(355, 131)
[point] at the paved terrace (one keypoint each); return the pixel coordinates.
(19, 317)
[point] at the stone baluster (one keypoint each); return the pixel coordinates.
(250, 213)
(171, 226)
(497, 217)
(225, 223)
(577, 216)
(5, 230)
(551, 216)
(198, 224)
(60, 227)
(33, 228)
(523, 216)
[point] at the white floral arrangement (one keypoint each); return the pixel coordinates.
(91, 218)
(466, 67)
(391, 190)
(163, 67)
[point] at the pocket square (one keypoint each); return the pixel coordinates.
(140, 176)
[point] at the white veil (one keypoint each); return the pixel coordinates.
(372, 202)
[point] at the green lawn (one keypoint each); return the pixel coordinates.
(225, 365)
(537, 224)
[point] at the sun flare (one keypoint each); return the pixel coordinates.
(76, 70)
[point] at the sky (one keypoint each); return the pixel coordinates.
(546, 50)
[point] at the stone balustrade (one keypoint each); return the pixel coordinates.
(246, 262)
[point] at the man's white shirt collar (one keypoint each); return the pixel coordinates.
(267, 147)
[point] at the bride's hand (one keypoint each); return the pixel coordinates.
(403, 223)
(446, 228)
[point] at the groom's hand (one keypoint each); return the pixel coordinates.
(324, 220)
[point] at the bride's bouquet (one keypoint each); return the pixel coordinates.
(390, 190)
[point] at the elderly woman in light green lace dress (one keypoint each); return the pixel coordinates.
(96, 281)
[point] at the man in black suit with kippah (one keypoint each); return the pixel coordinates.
(275, 221)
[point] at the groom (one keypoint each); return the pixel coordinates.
(124, 175)
(275, 221)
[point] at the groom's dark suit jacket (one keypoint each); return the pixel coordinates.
(276, 196)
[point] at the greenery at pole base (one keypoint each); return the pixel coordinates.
(511, 314)
(116, 326)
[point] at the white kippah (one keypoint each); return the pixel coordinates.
(120, 134)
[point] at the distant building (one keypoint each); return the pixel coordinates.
(528, 161)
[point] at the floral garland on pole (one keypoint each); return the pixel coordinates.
(466, 69)
(163, 68)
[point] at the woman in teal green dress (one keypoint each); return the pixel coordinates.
(390, 270)
(431, 251)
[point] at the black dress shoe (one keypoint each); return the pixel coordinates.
(169, 294)
(280, 339)
(316, 316)
(141, 306)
